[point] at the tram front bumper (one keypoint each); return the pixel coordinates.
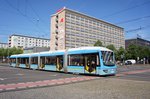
(107, 71)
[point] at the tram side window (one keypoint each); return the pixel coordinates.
(34, 60)
(19, 60)
(76, 60)
(22, 60)
(13, 60)
(27, 61)
(50, 60)
(47, 60)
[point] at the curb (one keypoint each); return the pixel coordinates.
(8, 87)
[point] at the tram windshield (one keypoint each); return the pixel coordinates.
(108, 58)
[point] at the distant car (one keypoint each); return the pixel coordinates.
(130, 61)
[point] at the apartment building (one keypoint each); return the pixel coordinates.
(71, 29)
(3, 45)
(23, 41)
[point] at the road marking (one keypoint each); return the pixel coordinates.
(54, 75)
(3, 78)
(19, 74)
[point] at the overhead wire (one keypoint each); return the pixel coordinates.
(132, 20)
(137, 29)
(39, 18)
(24, 15)
(126, 9)
(35, 12)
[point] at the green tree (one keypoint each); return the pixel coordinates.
(120, 52)
(5, 52)
(10, 51)
(132, 52)
(98, 43)
(111, 47)
(19, 51)
(145, 52)
(1, 51)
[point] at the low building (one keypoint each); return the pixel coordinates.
(3, 45)
(137, 41)
(23, 41)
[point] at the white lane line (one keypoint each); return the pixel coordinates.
(3, 78)
(54, 75)
(19, 74)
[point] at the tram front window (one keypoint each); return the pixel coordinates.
(108, 58)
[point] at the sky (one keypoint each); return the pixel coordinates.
(32, 17)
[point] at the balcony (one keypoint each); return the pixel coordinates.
(56, 43)
(56, 48)
(56, 37)
(56, 20)
(56, 25)
(57, 16)
(56, 31)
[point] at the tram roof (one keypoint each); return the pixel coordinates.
(13, 56)
(23, 55)
(59, 52)
(90, 48)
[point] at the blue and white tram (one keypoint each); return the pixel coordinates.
(85, 60)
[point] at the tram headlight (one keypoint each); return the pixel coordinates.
(106, 70)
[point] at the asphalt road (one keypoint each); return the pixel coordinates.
(10, 75)
(145, 76)
(128, 84)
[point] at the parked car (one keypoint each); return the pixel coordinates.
(130, 61)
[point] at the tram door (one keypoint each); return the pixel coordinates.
(90, 63)
(27, 62)
(42, 62)
(18, 62)
(59, 63)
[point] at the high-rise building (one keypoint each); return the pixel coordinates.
(70, 29)
(27, 41)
